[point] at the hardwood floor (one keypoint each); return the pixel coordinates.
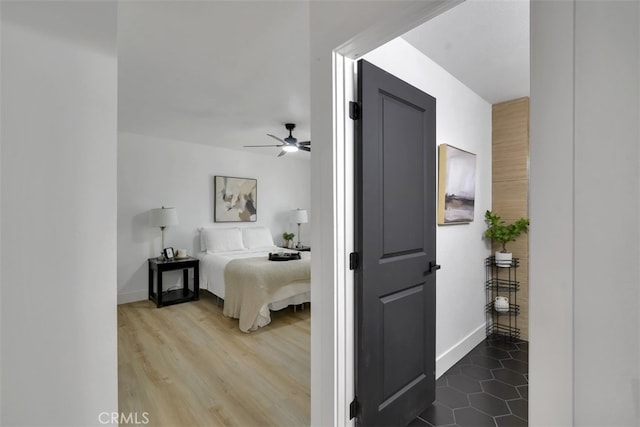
(188, 365)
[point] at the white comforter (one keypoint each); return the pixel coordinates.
(212, 267)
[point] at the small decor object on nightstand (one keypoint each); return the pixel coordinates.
(288, 239)
(168, 253)
(181, 253)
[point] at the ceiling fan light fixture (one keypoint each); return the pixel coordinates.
(288, 144)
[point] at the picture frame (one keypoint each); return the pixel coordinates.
(235, 199)
(456, 185)
(168, 253)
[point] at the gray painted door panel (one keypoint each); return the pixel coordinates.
(395, 238)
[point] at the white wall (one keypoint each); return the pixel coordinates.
(584, 200)
(0, 215)
(551, 213)
(463, 119)
(153, 172)
(607, 137)
(58, 198)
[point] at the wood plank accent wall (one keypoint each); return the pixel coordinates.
(510, 186)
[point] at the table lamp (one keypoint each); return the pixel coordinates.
(163, 218)
(300, 216)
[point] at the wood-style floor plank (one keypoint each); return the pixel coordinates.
(189, 365)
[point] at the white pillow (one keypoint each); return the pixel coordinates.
(222, 239)
(203, 244)
(257, 237)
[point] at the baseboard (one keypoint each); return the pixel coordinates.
(134, 296)
(450, 357)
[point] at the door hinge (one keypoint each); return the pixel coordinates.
(354, 110)
(354, 260)
(354, 408)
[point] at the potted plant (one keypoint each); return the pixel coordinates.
(499, 231)
(288, 239)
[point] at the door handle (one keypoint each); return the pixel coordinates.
(433, 266)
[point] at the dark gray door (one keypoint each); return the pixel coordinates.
(395, 240)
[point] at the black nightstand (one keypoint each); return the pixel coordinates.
(300, 249)
(179, 295)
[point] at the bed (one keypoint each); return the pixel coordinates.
(234, 266)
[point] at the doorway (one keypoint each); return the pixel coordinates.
(343, 93)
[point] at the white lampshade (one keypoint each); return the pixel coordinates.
(163, 217)
(300, 216)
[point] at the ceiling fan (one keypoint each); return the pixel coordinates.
(289, 144)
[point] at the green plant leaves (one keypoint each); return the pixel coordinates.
(501, 232)
(288, 236)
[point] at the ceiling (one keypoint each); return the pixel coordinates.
(483, 43)
(218, 73)
(227, 73)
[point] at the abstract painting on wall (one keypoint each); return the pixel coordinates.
(456, 185)
(235, 199)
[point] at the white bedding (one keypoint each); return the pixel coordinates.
(212, 267)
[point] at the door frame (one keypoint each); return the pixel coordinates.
(342, 339)
(344, 75)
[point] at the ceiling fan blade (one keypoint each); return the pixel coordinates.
(304, 143)
(275, 137)
(262, 145)
(304, 148)
(282, 153)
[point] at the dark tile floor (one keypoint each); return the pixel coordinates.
(487, 387)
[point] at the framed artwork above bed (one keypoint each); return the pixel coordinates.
(235, 199)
